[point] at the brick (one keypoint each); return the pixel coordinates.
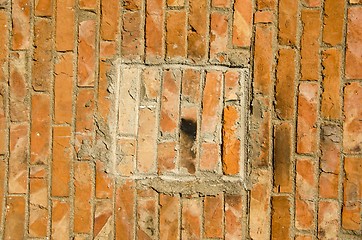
(21, 24)
(83, 173)
(310, 44)
(4, 46)
(103, 223)
(191, 218)
(87, 53)
(173, 3)
(220, 3)
(191, 80)
(352, 193)
(38, 171)
(232, 85)
(303, 237)
(328, 185)
(63, 89)
(15, 218)
(19, 88)
(266, 4)
(354, 40)
(331, 138)
(104, 182)
(198, 33)
(64, 25)
(60, 219)
(154, 31)
(127, 149)
(38, 214)
(218, 36)
(331, 62)
(355, 1)
(280, 217)
(62, 159)
(170, 101)
(104, 98)
(211, 102)
(176, 35)
(307, 118)
(19, 147)
(166, 157)
(242, 23)
(128, 106)
(110, 19)
(264, 17)
(132, 4)
(147, 219)
(312, 3)
(169, 217)
(264, 61)
(259, 222)
(151, 84)
(107, 49)
(88, 4)
(132, 36)
(285, 84)
(40, 129)
(233, 216)
(213, 216)
(231, 142)
(304, 214)
(282, 157)
(333, 21)
(84, 125)
(210, 156)
(125, 204)
(44, 8)
(328, 220)
(352, 136)
(288, 14)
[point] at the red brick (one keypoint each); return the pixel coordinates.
(232, 85)
(191, 218)
(132, 36)
(328, 185)
(312, 3)
(175, 3)
(191, 80)
(15, 218)
(304, 214)
(127, 149)
(166, 157)
(242, 23)
(107, 49)
(352, 135)
(104, 101)
(307, 118)
(328, 220)
(88, 4)
(83, 174)
(330, 148)
(19, 88)
(282, 157)
(147, 218)
(38, 214)
(44, 8)
(154, 31)
(210, 156)
(220, 3)
(40, 129)
(38, 171)
(19, 147)
(151, 83)
(104, 181)
(231, 141)
(169, 217)
(310, 44)
(264, 61)
(266, 4)
(125, 204)
(60, 219)
(288, 14)
(213, 216)
(63, 89)
(211, 102)
(170, 101)
(62, 158)
(280, 218)
(87, 53)
(21, 24)
(198, 30)
(331, 62)
(65, 26)
(110, 19)
(218, 36)
(354, 43)
(103, 225)
(176, 35)
(285, 84)
(263, 17)
(233, 216)
(333, 21)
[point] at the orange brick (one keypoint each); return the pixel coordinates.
(38, 171)
(40, 129)
(3, 121)
(280, 218)
(88, 4)
(4, 46)
(266, 4)
(132, 36)
(220, 3)
(87, 53)
(38, 214)
(104, 181)
(60, 220)
(146, 210)
(218, 36)
(354, 40)
(15, 218)
(242, 23)
(169, 217)
(333, 21)
(103, 219)
(303, 237)
(154, 31)
(108, 49)
(21, 24)
(213, 216)
(191, 80)
(312, 3)
(331, 138)
(132, 4)
(110, 19)
(233, 216)
(125, 205)
(288, 14)
(191, 218)
(151, 83)
(166, 157)
(104, 102)
(44, 8)
(328, 220)
(127, 148)
(176, 35)
(328, 185)
(210, 159)
(232, 85)
(197, 35)
(263, 17)
(65, 25)
(174, 3)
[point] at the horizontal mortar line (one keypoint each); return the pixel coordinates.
(181, 177)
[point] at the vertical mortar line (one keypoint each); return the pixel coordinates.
(220, 131)
(120, 28)
(159, 98)
(138, 102)
(207, 32)
(178, 132)
(157, 114)
(199, 118)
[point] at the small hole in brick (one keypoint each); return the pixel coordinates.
(189, 127)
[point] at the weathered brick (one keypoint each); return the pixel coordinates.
(44, 8)
(355, 1)
(169, 217)
(147, 218)
(328, 220)
(310, 44)
(63, 89)
(210, 156)
(125, 205)
(38, 214)
(213, 216)
(191, 218)
(151, 84)
(303, 237)
(3, 121)
(40, 129)
(333, 21)
(312, 3)
(107, 49)
(132, 36)
(86, 53)
(88, 4)
(352, 135)
(176, 35)
(288, 16)
(197, 33)
(191, 80)
(266, 4)
(110, 19)
(232, 85)
(218, 37)
(132, 4)
(242, 23)
(264, 17)
(127, 149)
(280, 217)
(15, 218)
(104, 182)
(103, 223)
(61, 162)
(173, 3)
(328, 185)
(60, 219)
(220, 3)
(4, 46)
(331, 138)
(331, 62)
(233, 216)
(21, 24)
(65, 26)
(285, 84)
(38, 171)
(307, 118)
(166, 157)
(154, 31)
(354, 43)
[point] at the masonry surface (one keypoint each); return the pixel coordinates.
(181, 119)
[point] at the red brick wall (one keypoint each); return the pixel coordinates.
(181, 119)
